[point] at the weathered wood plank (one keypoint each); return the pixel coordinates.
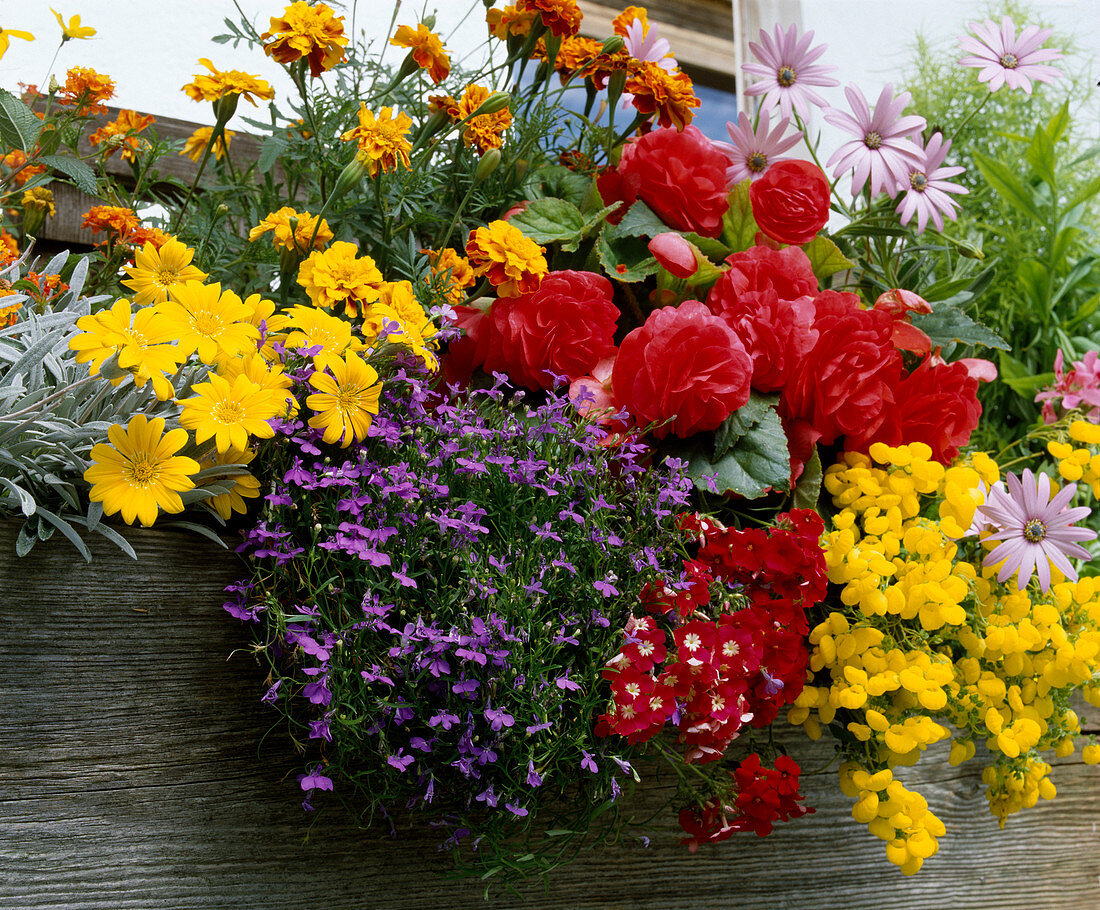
(136, 773)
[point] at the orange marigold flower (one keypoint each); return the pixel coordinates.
(513, 262)
(455, 273)
(510, 21)
(292, 230)
(14, 160)
(121, 133)
(485, 131)
(196, 143)
(306, 31)
(622, 21)
(670, 96)
(574, 54)
(9, 249)
(382, 142)
(339, 276)
(9, 314)
(40, 198)
(115, 221)
(562, 17)
(228, 82)
(427, 50)
(444, 103)
(143, 235)
(87, 89)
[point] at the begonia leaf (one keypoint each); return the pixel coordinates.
(552, 220)
(738, 226)
(641, 221)
(560, 182)
(625, 257)
(742, 420)
(756, 464)
(825, 257)
(807, 490)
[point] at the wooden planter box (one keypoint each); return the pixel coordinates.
(135, 772)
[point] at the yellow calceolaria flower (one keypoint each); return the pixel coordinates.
(219, 84)
(485, 131)
(382, 142)
(345, 401)
(7, 33)
(139, 473)
(313, 328)
(427, 50)
(40, 198)
(512, 261)
(73, 29)
(292, 231)
(143, 341)
(155, 272)
(196, 143)
(208, 321)
(309, 32)
(245, 486)
(340, 276)
(230, 412)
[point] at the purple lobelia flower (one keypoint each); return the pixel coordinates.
(1035, 529)
(881, 150)
(1005, 59)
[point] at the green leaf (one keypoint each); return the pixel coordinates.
(807, 490)
(555, 180)
(741, 421)
(641, 221)
(825, 257)
(709, 246)
(272, 148)
(738, 226)
(25, 540)
(947, 324)
(1059, 123)
(625, 258)
(19, 127)
(1041, 155)
(757, 463)
(552, 220)
(76, 170)
(67, 529)
(1004, 180)
(1018, 376)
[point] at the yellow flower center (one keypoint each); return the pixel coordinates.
(873, 140)
(1010, 61)
(1034, 531)
(786, 75)
(757, 162)
(206, 323)
(227, 412)
(165, 277)
(347, 398)
(141, 471)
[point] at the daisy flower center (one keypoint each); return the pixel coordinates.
(141, 471)
(347, 398)
(873, 140)
(1035, 531)
(207, 324)
(786, 75)
(165, 277)
(757, 162)
(918, 181)
(1010, 61)
(227, 412)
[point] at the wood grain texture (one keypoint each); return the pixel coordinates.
(136, 773)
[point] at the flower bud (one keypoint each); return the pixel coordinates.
(350, 177)
(496, 102)
(674, 253)
(613, 45)
(224, 108)
(615, 85)
(490, 161)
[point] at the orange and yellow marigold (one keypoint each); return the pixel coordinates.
(381, 140)
(339, 275)
(218, 84)
(427, 50)
(513, 262)
(121, 134)
(309, 32)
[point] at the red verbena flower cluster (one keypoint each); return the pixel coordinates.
(737, 650)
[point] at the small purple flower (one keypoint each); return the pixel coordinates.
(487, 796)
(400, 761)
(518, 811)
(465, 686)
(402, 578)
(588, 763)
(498, 718)
(605, 588)
(269, 697)
(315, 781)
(444, 720)
(319, 729)
(564, 682)
(534, 779)
(538, 728)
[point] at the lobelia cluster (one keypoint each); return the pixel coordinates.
(725, 652)
(436, 604)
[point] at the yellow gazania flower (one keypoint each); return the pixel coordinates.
(244, 485)
(292, 230)
(338, 275)
(74, 29)
(6, 33)
(195, 144)
(156, 272)
(382, 142)
(306, 31)
(267, 376)
(311, 327)
(230, 412)
(142, 340)
(139, 473)
(230, 82)
(209, 322)
(427, 50)
(344, 405)
(268, 323)
(513, 262)
(486, 131)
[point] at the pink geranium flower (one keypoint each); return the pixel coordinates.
(927, 196)
(1005, 59)
(1035, 529)
(1079, 388)
(752, 152)
(786, 70)
(882, 149)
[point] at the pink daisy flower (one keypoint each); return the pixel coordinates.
(648, 46)
(752, 152)
(787, 70)
(927, 196)
(1006, 59)
(1034, 529)
(882, 149)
